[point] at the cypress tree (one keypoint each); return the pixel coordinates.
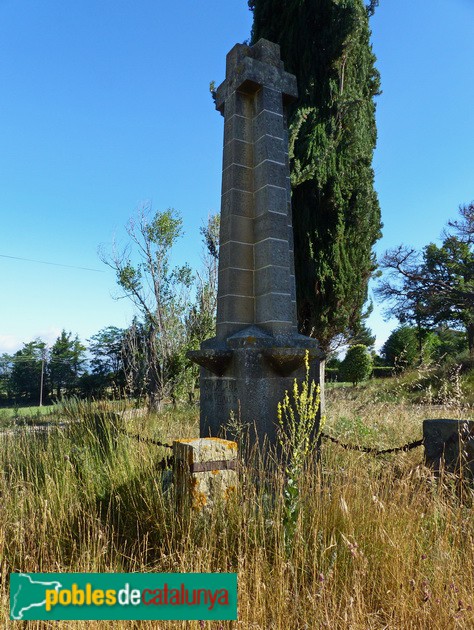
(336, 214)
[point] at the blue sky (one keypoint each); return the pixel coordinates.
(105, 105)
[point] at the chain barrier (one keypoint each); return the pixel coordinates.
(374, 451)
(145, 440)
(351, 447)
(166, 462)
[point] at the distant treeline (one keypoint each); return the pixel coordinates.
(408, 347)
(113, 363)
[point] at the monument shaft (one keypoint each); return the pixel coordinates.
(256, 269)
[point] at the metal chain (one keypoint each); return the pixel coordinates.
(139, 438)
(166, 462)
(374, 451)
(352, 447)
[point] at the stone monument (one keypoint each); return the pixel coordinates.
(257, 351)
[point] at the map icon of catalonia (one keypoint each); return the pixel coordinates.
(26, 594)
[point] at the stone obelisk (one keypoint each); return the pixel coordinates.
(257, 351)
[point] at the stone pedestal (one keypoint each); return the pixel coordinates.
(257, 351)
(449, 444)
(254, 381)
(204, 472)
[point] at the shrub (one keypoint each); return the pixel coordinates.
(382, 371)
(357, 365)
(401, 348)
(331, 374)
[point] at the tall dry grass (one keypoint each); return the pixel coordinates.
(378, 543)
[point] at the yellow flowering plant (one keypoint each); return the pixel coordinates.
(298, 437)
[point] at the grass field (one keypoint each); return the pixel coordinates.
(13, 416)
(377, 542)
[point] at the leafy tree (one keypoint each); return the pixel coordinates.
(405, 347)
(334, 363)
(5, 376)
(29, 372)
(452, 343)
(160, 294)
(66, 360)
(106, 349)
(378, 360)
(201, 318)
(430, 347)
(464, 227)
(363, 336)
(401, 348)
(135, 359)
(435, 286)
(357, 364)
(336, 214)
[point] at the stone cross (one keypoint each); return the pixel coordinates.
(257, 351)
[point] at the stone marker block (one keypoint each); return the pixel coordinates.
(205, 472)
(449, 444)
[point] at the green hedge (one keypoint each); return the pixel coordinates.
(332, 374)
(383, 371)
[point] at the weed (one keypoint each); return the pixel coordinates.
(298, 437)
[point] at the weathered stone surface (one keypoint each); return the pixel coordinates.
(271, 251)
(268, 124)
(268, 99)
(268, 149)
(271, 199)
(256, 308)
(269, 171)
(237, 128)
(236, 308)
(250, 68)
(240, 280)
(237, 228)
(239, 202)
(214, 360)
(449, 444)
(237, 176)
(273, 307)
(235, 255)
(272, 278)
(237, 152)
(271, 224)
(203, 489)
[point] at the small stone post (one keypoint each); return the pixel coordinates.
(449, 444)
(204, 472)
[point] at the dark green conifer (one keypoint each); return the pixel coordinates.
(336, 214)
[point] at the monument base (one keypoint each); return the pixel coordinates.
(247, 376)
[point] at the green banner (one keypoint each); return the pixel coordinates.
(123, 596)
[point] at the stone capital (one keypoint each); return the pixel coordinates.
(250, 67)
